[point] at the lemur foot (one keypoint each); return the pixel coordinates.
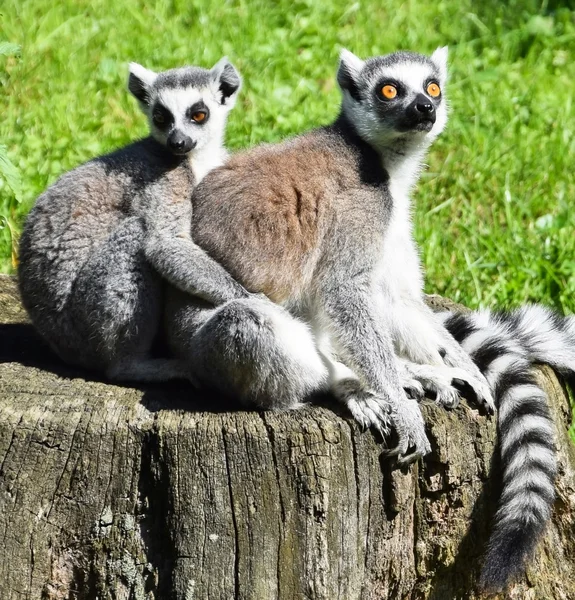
(433, 379)
(411, 385)
(470, 375)
(439, 380)
(480, 388)
(364, 406)
(410, 428)
(403, 414)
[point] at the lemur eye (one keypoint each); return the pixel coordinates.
(199, 116)
(389, 91)
(158, 118)
(433, 90)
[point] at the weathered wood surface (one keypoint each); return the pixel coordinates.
(127, 493)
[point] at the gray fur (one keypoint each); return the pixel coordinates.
(321, 225)
(252, 349)
(98, 243)
(418, 335)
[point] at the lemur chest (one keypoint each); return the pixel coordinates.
(400, 268)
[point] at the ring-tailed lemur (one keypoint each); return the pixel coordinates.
(98, 242)
(320, 224)
(524, 423)
(505, 347)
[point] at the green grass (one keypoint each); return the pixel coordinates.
(494, 210)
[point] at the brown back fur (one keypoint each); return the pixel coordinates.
(270, 212)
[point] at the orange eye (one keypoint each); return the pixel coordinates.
(198, 117)
(389, 91)
(433, 90)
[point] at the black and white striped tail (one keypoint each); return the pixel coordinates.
(505, 347)
(546, 336)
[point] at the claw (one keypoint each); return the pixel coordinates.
(357, 413)
(415, 389)
(381, 423)
(409, 459)
(479, 386)
(449, 398)
(391, 452)
(371, 417)
(371, 410)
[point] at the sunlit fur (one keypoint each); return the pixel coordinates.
(417, 333)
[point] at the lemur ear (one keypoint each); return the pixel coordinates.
(140, 82)
(228, 80)
(350, 67)
(439, 59)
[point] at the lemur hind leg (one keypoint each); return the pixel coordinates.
(248, 348)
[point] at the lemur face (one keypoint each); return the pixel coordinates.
(186, 107)
(395, 96)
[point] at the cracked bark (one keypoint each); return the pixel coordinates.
(160, 493)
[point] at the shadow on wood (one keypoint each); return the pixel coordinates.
(160, 492)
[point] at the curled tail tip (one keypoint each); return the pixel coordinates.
(495, 578)
(498, 572)
(506, 558)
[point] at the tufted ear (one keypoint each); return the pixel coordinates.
(140, 82)
(439, 59)
(350, 66)
(228, 80)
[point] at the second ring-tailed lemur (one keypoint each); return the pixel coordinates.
(320, 224)
(525, 427)
(98, 242)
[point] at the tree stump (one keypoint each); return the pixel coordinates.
(159, 492)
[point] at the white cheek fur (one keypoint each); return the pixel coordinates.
(178, 100)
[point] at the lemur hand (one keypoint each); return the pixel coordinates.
(385, 412)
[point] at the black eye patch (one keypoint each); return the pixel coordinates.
(380, 90)
(198, 112)
(162, 117)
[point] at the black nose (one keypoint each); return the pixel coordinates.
(179, 143)
(425, 108)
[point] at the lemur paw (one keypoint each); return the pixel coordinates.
(440, 380)
(410, 428)
(470, 375)
(434, 380)
(412, 386)
(365, 406)
(384, 413)
(481, 389)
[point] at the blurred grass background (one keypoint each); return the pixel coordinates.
(493, 212)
